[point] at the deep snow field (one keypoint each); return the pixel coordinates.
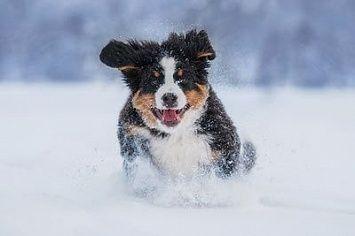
(60, 169)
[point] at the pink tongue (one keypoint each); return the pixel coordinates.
(170, 115)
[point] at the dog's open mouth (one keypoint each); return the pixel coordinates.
(170, 117)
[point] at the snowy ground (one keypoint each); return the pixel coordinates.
(60, 171)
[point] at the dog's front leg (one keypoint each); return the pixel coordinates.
(132, 147)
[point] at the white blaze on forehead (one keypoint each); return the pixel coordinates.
(169, 86)
(169, 65)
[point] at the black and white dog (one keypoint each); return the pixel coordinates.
(173, 116)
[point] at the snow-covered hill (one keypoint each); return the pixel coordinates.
(60, 171)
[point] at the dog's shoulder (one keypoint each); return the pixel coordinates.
(216, 123)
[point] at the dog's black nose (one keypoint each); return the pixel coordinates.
(169, 100)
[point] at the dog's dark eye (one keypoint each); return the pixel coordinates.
(156, 74)
(180, 72)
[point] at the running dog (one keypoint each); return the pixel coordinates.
(173, 116)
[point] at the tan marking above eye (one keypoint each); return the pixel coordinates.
(156, 74)
(180, 72)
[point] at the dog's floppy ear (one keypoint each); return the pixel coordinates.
(130, 58)
(120, 55)
(199, 45)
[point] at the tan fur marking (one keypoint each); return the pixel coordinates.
(144, 103)
(215, 155)
(156, 74)
(197, 98)
(204, 54)
(180, 72)
(127, 67)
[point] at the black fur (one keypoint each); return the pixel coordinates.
(214, 122)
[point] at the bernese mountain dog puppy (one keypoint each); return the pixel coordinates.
(173, 117)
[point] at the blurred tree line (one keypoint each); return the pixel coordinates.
(259, 42)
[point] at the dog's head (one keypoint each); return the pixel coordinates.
(168, 80)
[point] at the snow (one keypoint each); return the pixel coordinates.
(60, 170)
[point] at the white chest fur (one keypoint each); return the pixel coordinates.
(182, 153)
